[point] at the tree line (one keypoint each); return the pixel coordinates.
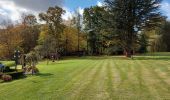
(118, 27)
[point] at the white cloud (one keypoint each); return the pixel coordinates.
(13, 9)
(80, 10)
(165, 7)
(68, 14)
(35, 5)
(9, 10)
(99, 3)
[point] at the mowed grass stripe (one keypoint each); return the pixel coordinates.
(158, 75)
(84, 80)
(110, 79)
(89, 91)
(146, 92)
(52, 84)
(116, 79)
(150, 81)
(163, 67)
(163, 71)
(106, 78)
(132, 86)
(41, 85)
(67, 81)
(126, 88)
(136, 79)
(72, 87)
(100, 85)
(162, 87)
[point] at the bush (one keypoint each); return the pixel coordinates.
(6, 78)
(36, 70)
(30, 69)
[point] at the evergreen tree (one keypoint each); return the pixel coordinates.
(132, 16)
(93, 22)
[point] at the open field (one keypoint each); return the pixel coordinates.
(95, 78)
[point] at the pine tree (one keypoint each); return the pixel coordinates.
(132, 16)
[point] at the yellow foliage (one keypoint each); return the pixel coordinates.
(71, 35)
(10, 39)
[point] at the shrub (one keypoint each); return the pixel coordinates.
(30, 69)
(36, 70)
(6, 78)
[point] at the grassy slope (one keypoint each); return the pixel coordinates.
(105, 78)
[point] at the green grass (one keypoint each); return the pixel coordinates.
(93, 78)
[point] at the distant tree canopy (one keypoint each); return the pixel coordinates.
(10, 38)
(165, 31)
(118, 27)
(162, 35)
(57, 37)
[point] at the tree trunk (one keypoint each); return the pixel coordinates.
(128, 53)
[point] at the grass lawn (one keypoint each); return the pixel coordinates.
(95, 78)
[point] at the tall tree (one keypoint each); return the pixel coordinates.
(132, 16)
(94, 26)
(29, 20)
(143, 42)
(54, 21)
(29, 32)
(165, 36)
(10, 39)
(77, 18)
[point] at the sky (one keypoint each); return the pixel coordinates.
(13, 9)
(73, 4)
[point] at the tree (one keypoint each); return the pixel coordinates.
(68, 34)
(77, 19)
(32, 59)
(143, 42)
(72, 42)
(29, 30)
(54, 21)
(29, 20)
(10, 39)
(45, 43)
(132, 16)
(95, 26)
(165, 36)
